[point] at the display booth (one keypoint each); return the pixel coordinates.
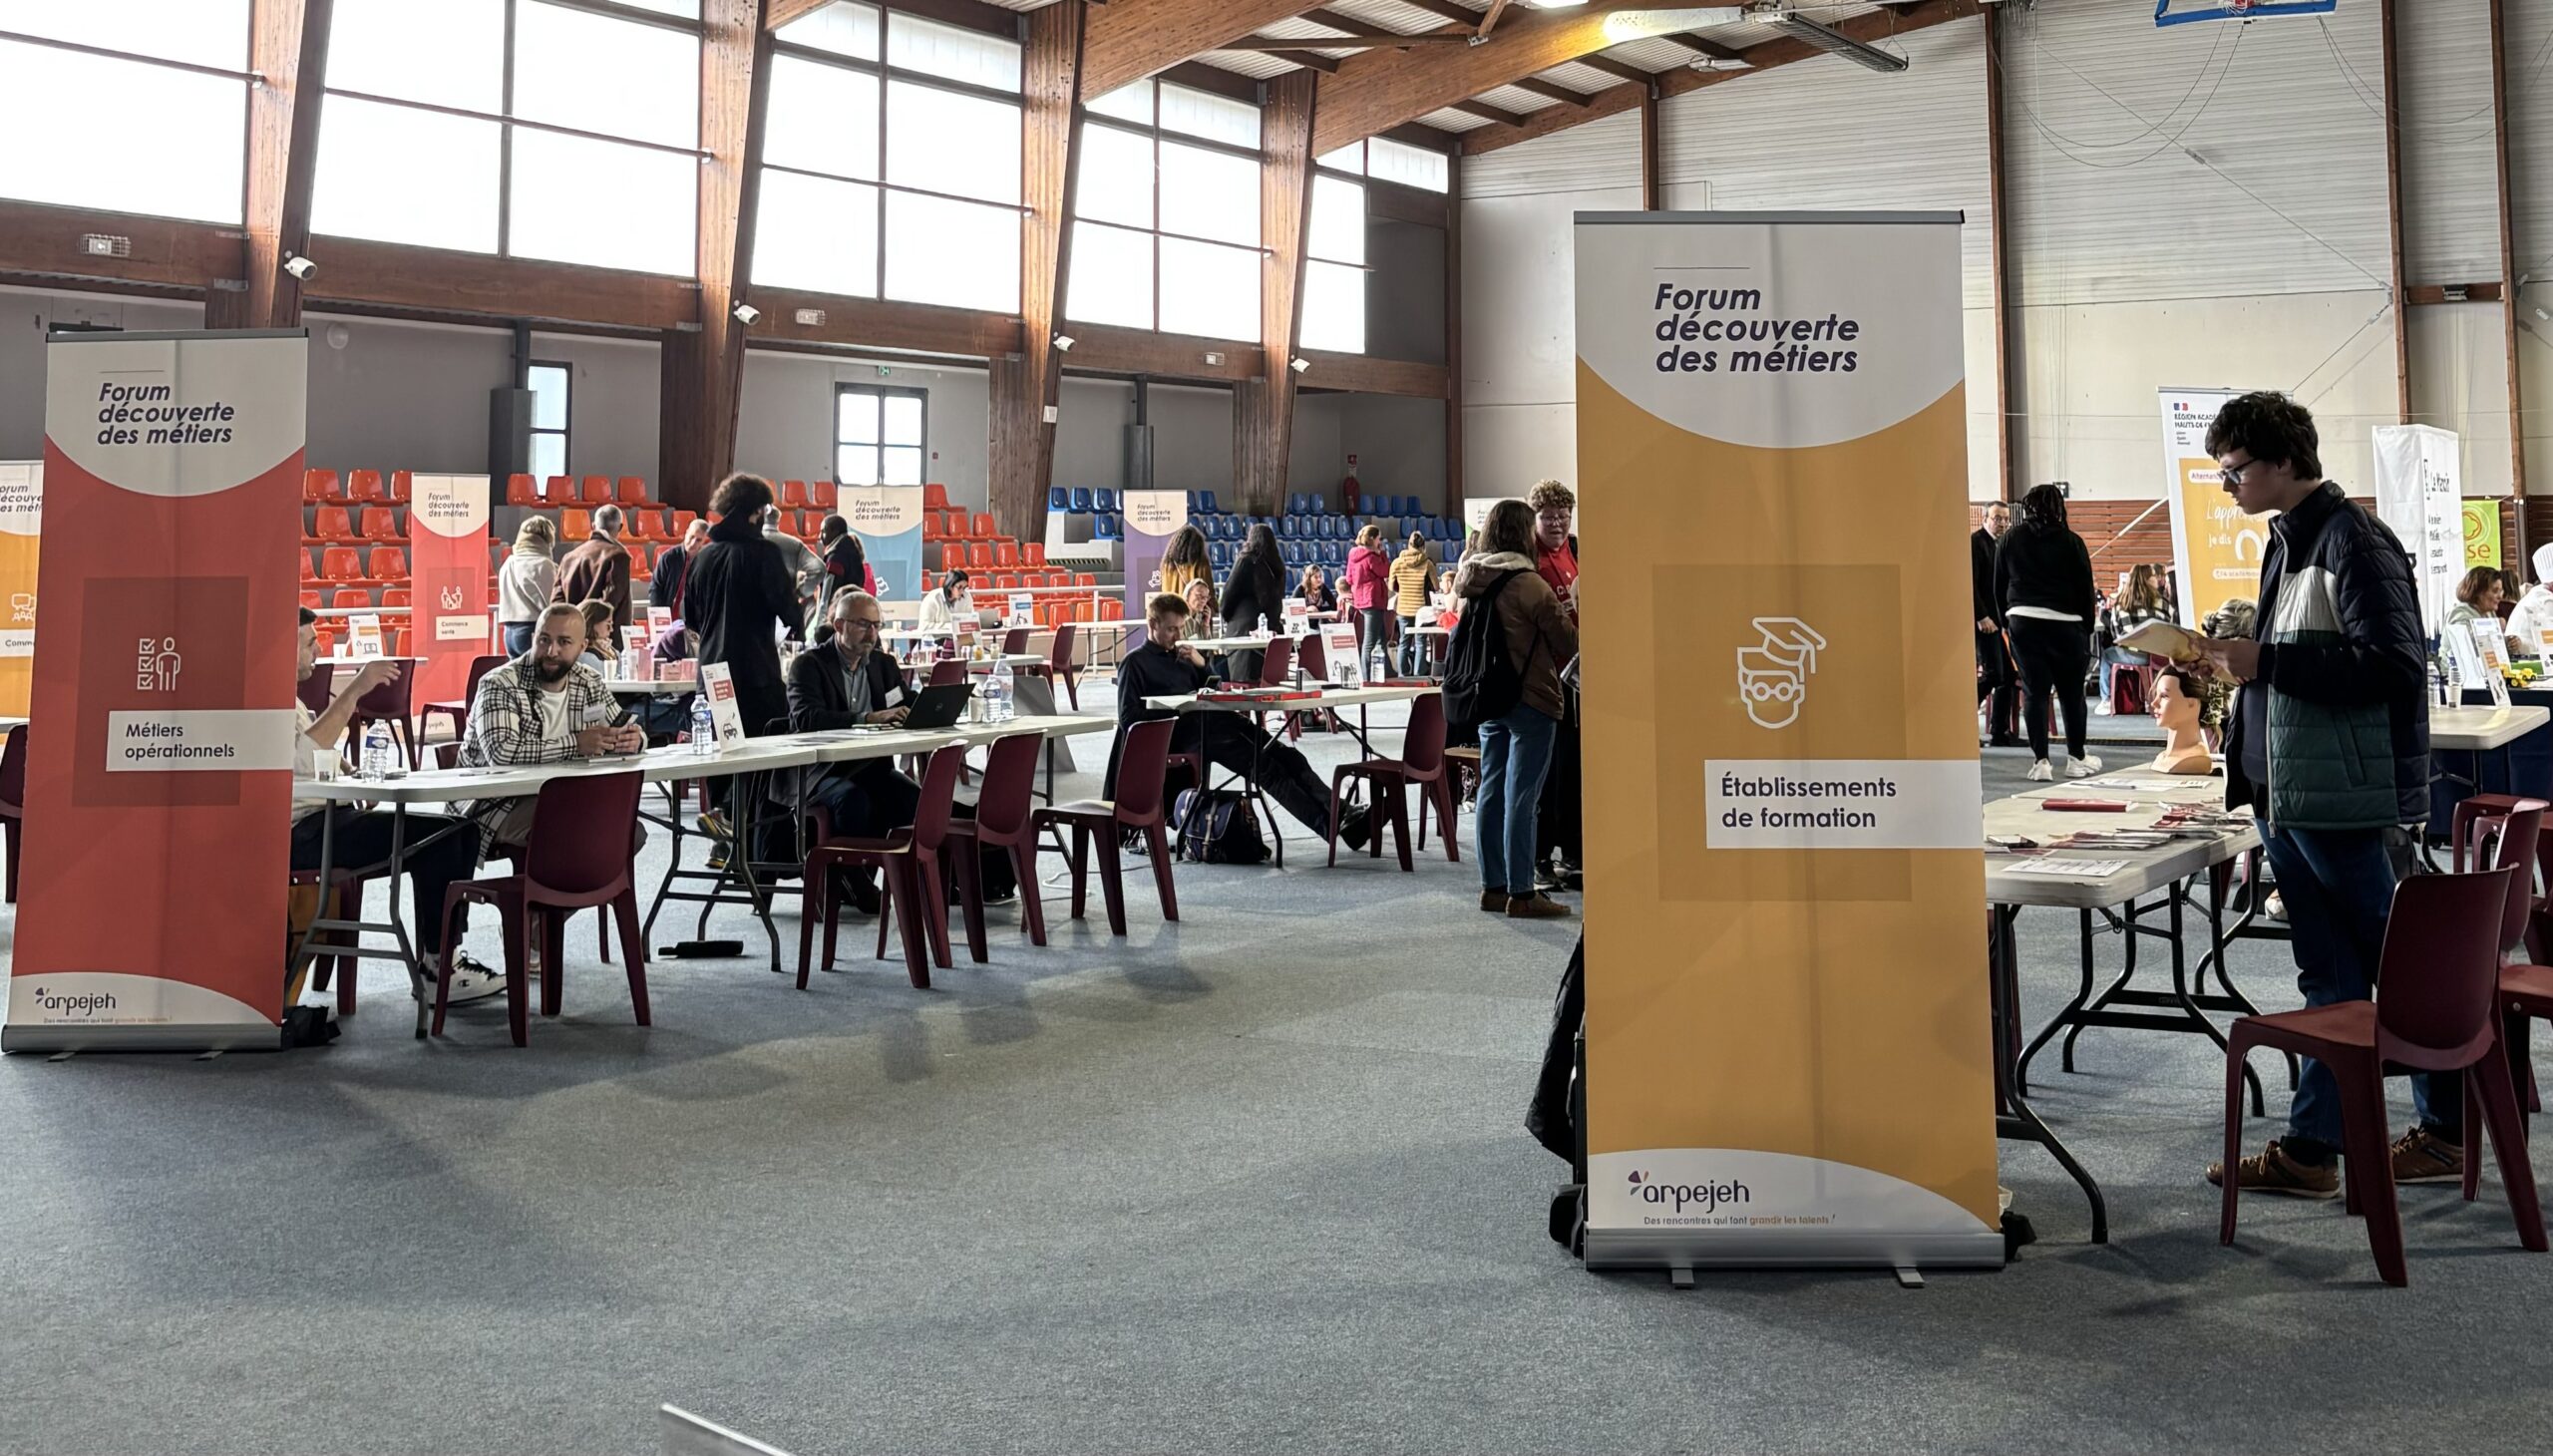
(21, 523)
(887, 521)
(2216, 548)
(1152, 518)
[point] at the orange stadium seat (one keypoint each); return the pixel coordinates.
(379, 524)
(388, 563)
(646, 524)
(520, 490)
(332, 522)
(340, 563)
(307, 574)
(318, 485)
(364, 485)
(558, 490)
(351, 598)
(979, 556)
(396, 596)
(597, 491)
(311, 599)
(575, 522)
(793, 493)
(823, 495)
(986, 527)
(632, 490)
(934, 498)
(1005, 553)
(401, 482)
(1033, 553)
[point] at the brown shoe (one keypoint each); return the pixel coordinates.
(1493, 901)
(2272, 1171)
(2420, 1156)
(1534, 908)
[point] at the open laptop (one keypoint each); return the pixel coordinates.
(940, 707)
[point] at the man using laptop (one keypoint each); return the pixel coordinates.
(847, 683)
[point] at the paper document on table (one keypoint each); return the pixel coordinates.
(2168, 641)
(2072, 869)
(2144, 786)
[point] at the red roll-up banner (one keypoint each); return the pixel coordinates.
(448, 571)
(160, 756)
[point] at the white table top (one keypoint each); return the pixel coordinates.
(2476, 729)
(677, 761)
(340, 659)
(1018, 660)
(2145, 871)
(1213, 645)
(651, 687)
(1331, 697)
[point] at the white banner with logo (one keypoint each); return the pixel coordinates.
(2419, 493)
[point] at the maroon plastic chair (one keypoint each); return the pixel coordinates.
(1059, 667)
(2526, 977)
(947, 671)
(579, 856)
(1014, 641)
(13, 804)
(907, 862)
(316, 689)
(1278, 663)
(1422, 761)
(2434, 1012)
(1141, 769)
(458, 711)
(1002, 814)
(392, 703)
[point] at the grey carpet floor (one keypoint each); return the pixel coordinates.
(1250, 1183)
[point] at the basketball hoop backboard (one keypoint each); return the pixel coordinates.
(2182, 12)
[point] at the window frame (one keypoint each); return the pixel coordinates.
(248, 80)
(505, 120)
(565, 431)
(882, 393)
(1158, 135)
(888, 76)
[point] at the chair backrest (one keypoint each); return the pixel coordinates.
(1063, 656)
(13, 770)
(1279, 661)
(480, 666)
(582, 834)
(446, 755)
(632, 490)
(1314, 659)
(397, 596)
(318, 485)
(363, 485)
(2440, 970)
(558, 490)
(938, 791)
(341, 564)
(823, 493)
(950, 670)
(2517, 833)
(794, 494)
(389, 563)
(520, 490)
(1141, 769)
(321, 685)
(1422, 747)
(596, 490)
(1010, 778)
(1014, 640)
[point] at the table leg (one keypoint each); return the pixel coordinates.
(2082, 998)
(398, 921)
(2014, 1119)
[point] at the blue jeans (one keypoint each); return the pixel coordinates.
(517, 637)
(1515, 753)
(2338, 888)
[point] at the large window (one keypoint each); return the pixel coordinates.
(891, 162)
(548, 433)
(1384, 160)
(545, 129)
(153, 116)
(1334, 266)
(877, 435)
(1166, 215)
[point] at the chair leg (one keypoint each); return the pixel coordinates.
(811, 904)
(554, 951)
(1336, 776)
(451, 904)
(933, 905)
(2369, 1152)
(971, 898)
(1442, 790)
(1081, 882)
(2517, 1029)
(2498, 1096)
(2236, 1046)
(909, 885)
(626, 908)
(518, 924)
(1112, 880)
(1032, 898)
(602, 933)
(9, 827)
(1159, 837)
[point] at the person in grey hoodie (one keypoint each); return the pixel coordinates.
(526, 581)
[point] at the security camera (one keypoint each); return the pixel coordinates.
(1064, 343)
(300, 267)
(746, 313)
(1299, 365)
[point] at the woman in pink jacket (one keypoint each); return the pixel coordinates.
(1368, 594)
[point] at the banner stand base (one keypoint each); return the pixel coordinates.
(1692, 1249)
(16, 1039)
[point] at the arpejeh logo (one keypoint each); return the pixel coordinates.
(84, 1005)
(1708, 1194)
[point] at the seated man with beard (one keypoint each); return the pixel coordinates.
(542, 707)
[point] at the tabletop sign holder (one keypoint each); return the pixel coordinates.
(1338, 647)
(637, 662)
(1023, 610)
(2544, 644)
(363, 636)
(659, 618)
(718, 682)
(2493, 656)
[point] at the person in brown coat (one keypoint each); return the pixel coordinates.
(598, 568)
(1515, 745)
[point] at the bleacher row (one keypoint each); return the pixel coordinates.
(1307, 534)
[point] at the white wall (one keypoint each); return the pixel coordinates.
(25, 317)
(2197, 205)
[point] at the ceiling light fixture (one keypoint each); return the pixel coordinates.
(1827, 38)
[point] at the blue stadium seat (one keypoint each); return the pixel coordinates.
(1321, 504)
(1103, 498)
(1057, 497)
(1194, 503)
(1208, 497)
(1294, 504)
(1080, 501)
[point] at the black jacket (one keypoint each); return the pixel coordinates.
(1980, 576)
(817, 701)
(2044, 567)
(1150, 672)
(1255, 587)
(738, 597)
(2333, 731)
(665, 587)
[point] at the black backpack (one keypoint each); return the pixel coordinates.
(1219, 829)
(1480, 683)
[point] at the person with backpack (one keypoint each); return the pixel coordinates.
(1503, 675)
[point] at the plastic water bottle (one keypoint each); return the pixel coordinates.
(1264, 633)
(376, 751)
(704, 728)
(997, 698)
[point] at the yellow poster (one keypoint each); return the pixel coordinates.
(1788, 1046)
(2481, 533)
(21, 519)
(2216, 549)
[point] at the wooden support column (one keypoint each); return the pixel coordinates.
(289, 49)
(702, 370)
(1264, 408)
(1027, 390)
(1650, 186)
(2393, 94)
(1454, 335)
(2508, 259)
(2010, 437)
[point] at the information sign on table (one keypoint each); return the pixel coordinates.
(1788, 1053)
(2492, 651)
(363, 636)
(1338, 650)
(718, 684)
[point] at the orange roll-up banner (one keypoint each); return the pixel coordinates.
(21, 522)
(160, 762)
(448, 609)
(1788, 1047)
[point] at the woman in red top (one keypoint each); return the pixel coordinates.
(1560, 822)
(1555, 549)
(1368, 586)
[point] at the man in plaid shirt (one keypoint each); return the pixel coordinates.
(542, 707)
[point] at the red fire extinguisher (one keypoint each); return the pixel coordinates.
(1348, 488)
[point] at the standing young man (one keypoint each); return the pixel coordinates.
(2328, 742)
(1994, 675)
